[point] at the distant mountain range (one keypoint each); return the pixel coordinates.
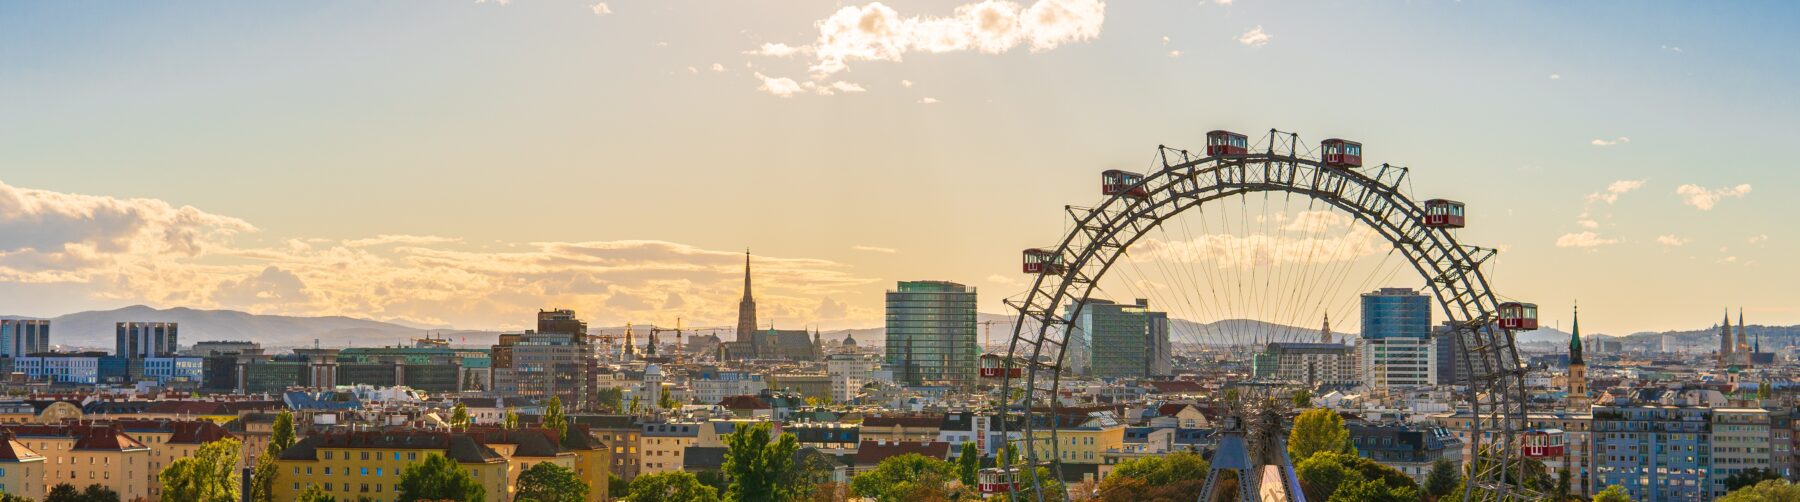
(95, 329)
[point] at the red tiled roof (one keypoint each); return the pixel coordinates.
(12, 449)
(744, 403)
(922, 421)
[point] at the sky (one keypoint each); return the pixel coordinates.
(455, 163)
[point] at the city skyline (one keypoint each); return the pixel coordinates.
(455, 164)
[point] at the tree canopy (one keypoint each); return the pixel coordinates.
(93, 493)
(1443, 479)
(313, 493)
(210, 475)
(677, 486)
(439, 478)
(459, 416)
(1318, 430)
(968, 463)
(547, 482)
(905, 478)
(1749, 477)
(1173, 477)
(755, 464)
(1324, 474)
(554, 419)
(1769, 490)
(1614, 493)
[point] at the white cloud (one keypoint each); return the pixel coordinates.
(776, 50)
(830, 310)
(1614, 190)
(877, 32)
(1255, 37)
(1588, 223)
(928, 101)
(842, 86)
(874, 249)
(718, 68)
(150, 251)
(1175, 54)
(1222, 2)
(1673, 49)
(1245, 251)
(782, 86)
(1165, 40)
(1671, 241)
(693, 70)
(1556, 76)
(1610, 142)
(1704, 199)
(601, 9)
(1758, 239)
(1583, 240)
(906, 83)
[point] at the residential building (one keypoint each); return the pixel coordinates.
(931, 334)
(1741, 441)
(1657, 453)
(357, 465)
(848, 373)
(1411, 449)
(1309, 363)
(88, 454)
(22, 470)
(662, 444)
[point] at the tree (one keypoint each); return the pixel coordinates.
(968, 462)
(263, 473)
(1749, 477)
(1171, 477)
(677, 486)
(547, 482)
(62, 492)
(756, 465)
(1302, 399)
(282, 436)
(1442, 479)
(459, 416)
(665, 400)
(611, 398)
(905, 478)
(439, 478)
(210, 475)
(634, 404)
(97, 493)
(8, 497)
(1373, 490)
(1771, 490)
(553, 417)
(616, 487)
(1326, 473)
(512, 419)
(1562, 490)
(1053, 489)
(315, 494)
(1614, 493)
(1318, 430)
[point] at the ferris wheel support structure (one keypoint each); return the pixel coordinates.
(1489, 371)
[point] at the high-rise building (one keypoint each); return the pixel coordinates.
(24, 337)
(1396, 349)
(1161, 356)
(1117, 340)
(931, 333)
(137, 340)
(556, 360)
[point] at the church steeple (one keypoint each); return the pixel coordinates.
(1325, 332)
(746, 327)
(1575, 338)
(1743, 335)
(1726, 343)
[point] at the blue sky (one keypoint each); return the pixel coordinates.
(535, 153)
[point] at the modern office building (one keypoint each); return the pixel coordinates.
(1117, 340)
(541, 365)
(137, 340)
(24, 337)
(1396, 348)
(931, 333)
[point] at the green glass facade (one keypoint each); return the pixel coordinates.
(1115, 340)
(931, 333)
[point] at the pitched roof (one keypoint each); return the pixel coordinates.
(932, 421)
(458, 447)
(873, 452)
(13, 450)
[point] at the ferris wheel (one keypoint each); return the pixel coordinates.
(1375, 199)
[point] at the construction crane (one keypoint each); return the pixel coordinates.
(678, 331)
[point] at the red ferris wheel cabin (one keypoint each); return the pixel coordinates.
(1341, 153)
(1115, 182)
(1442, 213)
(1518, 316)
(994, 366)
(1226, 143)
(1043, 261)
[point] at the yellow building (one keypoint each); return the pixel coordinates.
(523, 448)
(353, 465)
(1086, 443)
(21, 470)
(169, 440)
(89, 454)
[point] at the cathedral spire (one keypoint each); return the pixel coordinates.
(1575, 338)
(1726, 343)
(1325, 332)
(1743, 335)
(746, 327)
